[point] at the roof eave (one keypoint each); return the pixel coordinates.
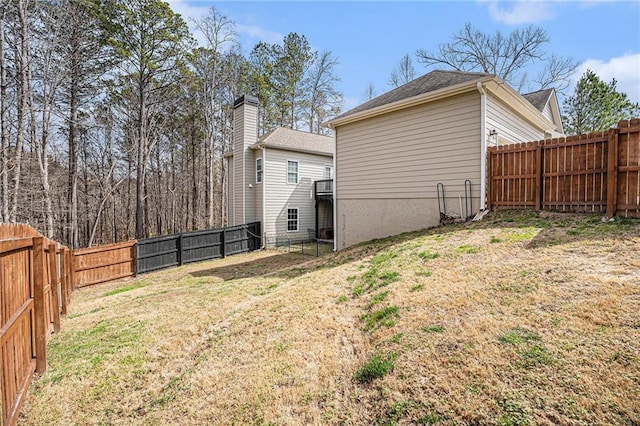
(261, 145)
(435, 95)
(520, 104)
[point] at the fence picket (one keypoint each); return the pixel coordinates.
(597, 173)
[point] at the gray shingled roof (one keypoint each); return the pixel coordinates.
(296, 140)
(539, 99)
(430, 82)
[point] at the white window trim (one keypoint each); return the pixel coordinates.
(330, 167)
(297, 219)
(297, 172)
(261, 169)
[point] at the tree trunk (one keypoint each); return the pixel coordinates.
(22, 106)
(4, 144)
(72, 183)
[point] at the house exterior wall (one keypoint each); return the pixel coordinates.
(388, 167)
(280, 196)
(547, 112)
(230, 198)
(511, 127)
(245, 119)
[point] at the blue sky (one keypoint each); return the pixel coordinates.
(369, 38)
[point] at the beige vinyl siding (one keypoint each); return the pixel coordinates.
(251, 211)
(281, 196)
(547, 112)
(511, 127)
(244, 135)
(388, 167)
(406, 153)
(230, 199)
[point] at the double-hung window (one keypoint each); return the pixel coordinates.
(292, 172)
(258, 170)
(292, 219)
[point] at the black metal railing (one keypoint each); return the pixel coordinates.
(323, 187)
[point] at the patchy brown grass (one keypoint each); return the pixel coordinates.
(520, 319)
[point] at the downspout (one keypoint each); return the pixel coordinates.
(335, 188)
(264, 197)
(483, 146)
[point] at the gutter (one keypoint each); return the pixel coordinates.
(264, 197)
(483, 146)
(335, 188)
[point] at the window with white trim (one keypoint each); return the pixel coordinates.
(258, 170)
(292, 172)
(292, 219)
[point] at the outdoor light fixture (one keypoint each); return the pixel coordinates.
(493, 137)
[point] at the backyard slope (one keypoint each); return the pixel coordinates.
(519, 319)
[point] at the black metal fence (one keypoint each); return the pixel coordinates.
(309, 246)
(177, 249)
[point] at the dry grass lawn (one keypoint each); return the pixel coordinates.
(520, 319)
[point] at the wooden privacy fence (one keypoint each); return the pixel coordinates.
(173, 250)
(597, 173)
(99, 264)
(35, 288)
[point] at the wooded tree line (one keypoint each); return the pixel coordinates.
(114, 121)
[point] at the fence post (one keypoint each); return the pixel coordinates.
(489, 195)
(180, 249)
(39, 305)
(55, 294)
(539, 187)
(222, 242)
(64, 273)
(612, 173)
(74, 267)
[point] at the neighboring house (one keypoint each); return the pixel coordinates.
(282, 179)
(394, 150)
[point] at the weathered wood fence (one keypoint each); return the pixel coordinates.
(37, 277)
(100, 264)
(597, 173)
(178, 249)
(35, 288)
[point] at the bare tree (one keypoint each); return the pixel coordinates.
(324, 98)
(219, 33)
(21, 52)
(4, 119)
(402, 73)
(506, 56)
(369, 92)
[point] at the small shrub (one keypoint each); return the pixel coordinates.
(417, 287)
(495, 240)
(342, 299)
(436, 328)
(378, 366)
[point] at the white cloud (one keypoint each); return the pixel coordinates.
(189, 13)
(520, 12)
(257, 33)
(625, 69)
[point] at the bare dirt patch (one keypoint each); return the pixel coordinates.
(523, 318)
